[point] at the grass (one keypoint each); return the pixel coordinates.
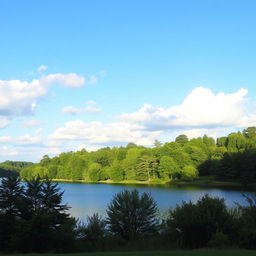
(156, 253)
(111, 181)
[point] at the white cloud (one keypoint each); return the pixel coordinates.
(71, 110)
(42, 68)
(31, 123)
(70, 80)
(202, 112)
(4, 139)
(93, 79)
(200, 132)
(8, 152)
(27, 140)
(201, 108)
(18, 98)
(4, 121)
(99, 133)
(90, 107)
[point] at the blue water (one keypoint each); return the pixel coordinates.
(86, 199)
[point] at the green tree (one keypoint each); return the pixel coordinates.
(157, 143)
(130, 162)
(130, 215)
(116, 171)
(11, 195)
(95, 172)
(208, 141)
(181, 139)
(146, 168)
(222, 141)
(250, 132)
(11, 205)
(235, 142)
(168, 168)
(95, 228)
(131, 145)
(193, 225)
(189, 172)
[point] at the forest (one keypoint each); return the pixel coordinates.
(232, 158)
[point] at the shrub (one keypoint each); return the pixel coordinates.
(130, 215)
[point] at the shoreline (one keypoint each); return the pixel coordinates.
(200, 182)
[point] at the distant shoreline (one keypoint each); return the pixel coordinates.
(200, 182)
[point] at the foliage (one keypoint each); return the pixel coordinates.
(32, 218)
(131, 215)
(231, 158)
(94, 230)
(205, 218)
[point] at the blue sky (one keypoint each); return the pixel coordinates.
(87, 74)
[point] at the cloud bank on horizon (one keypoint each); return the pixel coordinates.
(201, 112)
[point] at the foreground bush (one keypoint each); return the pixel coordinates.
(194, 225)
(131, 215)
(33, 218)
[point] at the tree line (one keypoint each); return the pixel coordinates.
(10, 168)
(34, 219)
(231, 157)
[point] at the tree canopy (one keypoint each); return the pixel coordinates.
(231, 157)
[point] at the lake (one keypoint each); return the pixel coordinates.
(86, 199)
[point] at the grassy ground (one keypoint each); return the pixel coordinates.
(112, 182)
(157, 253)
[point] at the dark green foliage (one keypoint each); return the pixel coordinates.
(11, 193)
(10, 168)
(248, 223)
(19, 164)
(222, 141)
(33, 219)
(182, 139)
(94, 231)
(193, 225)
(131, 215)
(250, 132)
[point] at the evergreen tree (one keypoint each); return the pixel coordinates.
(130, 215)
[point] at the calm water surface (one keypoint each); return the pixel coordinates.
(86, 199)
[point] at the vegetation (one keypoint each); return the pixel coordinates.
(10, 168)
(33, 219)
(231, 158)
(158, 253)
(132, 216)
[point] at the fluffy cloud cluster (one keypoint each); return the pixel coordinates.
(19, 98)
(90, 107)
(25, 140)
(99, 133)
(69, 80)
(31, 123)
(201, 112)
(201, 108)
